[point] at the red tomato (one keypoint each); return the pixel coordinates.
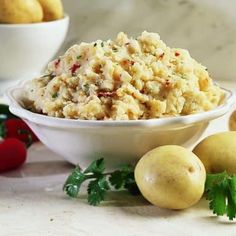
(12, 154)
(17, 128)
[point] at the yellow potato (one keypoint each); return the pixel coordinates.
(218, 152)
(171, 177)
(52, 9)
(20, 11)
(232, 121)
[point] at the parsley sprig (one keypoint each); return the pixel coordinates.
(100, 182)
(220, 188)
(221, 192)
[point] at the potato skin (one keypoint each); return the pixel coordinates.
(218, 152)
(232, 121)
(171, 177)
(20, 11)
(52, 9)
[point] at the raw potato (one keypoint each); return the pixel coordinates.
(232, 121)
(20, 11)
(52, 9)
(171, 177)
(218, 152)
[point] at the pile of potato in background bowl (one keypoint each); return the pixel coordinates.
(31, 33)
(30, 11)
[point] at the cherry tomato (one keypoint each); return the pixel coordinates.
(12, 154)
(17, 128)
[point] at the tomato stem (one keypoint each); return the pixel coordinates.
(2, 130)
(29, 142)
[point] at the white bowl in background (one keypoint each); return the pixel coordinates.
(25, 49)
(81, 141)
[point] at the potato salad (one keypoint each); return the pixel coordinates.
(124, 79)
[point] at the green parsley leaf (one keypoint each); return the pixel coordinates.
(100, 182)
(231, 207)
(97, 190)
(117, 179)
(102, 44)
(232, 188)
(221, 192)
(74, 182)
(78, 57)
(213, 179)
(96, 167)
(131, 186)
(217, 200)
(124, 178)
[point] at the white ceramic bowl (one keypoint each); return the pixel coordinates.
(81, 141)
(26, 48)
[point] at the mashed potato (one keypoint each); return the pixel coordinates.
(124, 79)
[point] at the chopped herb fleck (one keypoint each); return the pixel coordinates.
(55, 95)
(86, 89)
(115, 49)
(95, 44)
(78, 57)
(48, 75)
(102, 44)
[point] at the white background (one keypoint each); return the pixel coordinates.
(206, 27)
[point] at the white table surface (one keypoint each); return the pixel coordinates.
(32, 203)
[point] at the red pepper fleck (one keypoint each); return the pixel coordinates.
(127, 63)
(74, 67)
(167, 84)
(177, 54)
(57, 62)
(162, 55)
(106, 94)
(117, 77)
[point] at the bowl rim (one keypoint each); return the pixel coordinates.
(37, 24)
(173, 122)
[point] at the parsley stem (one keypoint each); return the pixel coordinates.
(96, 175)
(99, 183)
